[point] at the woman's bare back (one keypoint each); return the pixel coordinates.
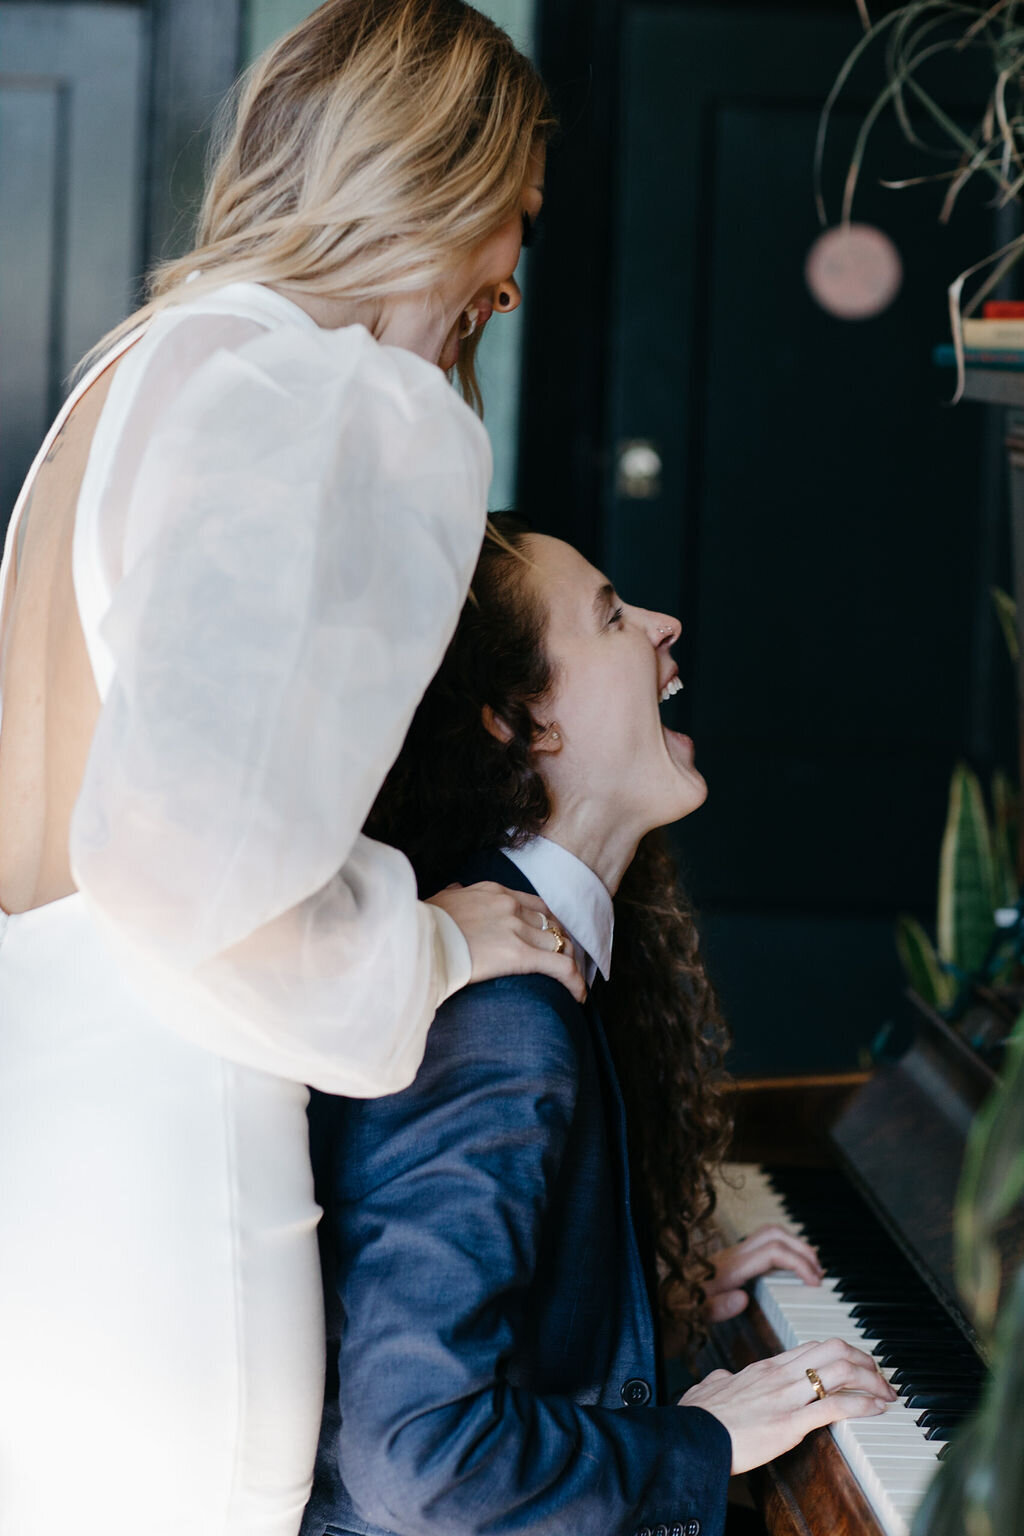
(50, 703)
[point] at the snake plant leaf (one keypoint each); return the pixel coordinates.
(921, 964)
(991, 1185)
(967, 882)
(1005, 833)
(1006, 613)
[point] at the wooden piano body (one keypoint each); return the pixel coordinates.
(899, 1137)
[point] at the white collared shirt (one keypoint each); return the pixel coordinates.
(578, 898)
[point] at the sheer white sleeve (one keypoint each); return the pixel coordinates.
(296, 533)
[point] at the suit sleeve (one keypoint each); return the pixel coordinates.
(297, 525)
(443, 1192)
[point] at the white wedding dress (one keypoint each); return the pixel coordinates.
(274, 535)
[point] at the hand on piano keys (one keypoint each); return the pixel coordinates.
(771, 1405)
(871, 1298)
(770, 1247)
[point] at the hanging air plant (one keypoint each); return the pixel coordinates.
(911, 39)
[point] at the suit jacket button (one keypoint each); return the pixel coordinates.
(635, 1392)
(676, 1530)
(645, 1530)
(661, 1530)
(693, 1528)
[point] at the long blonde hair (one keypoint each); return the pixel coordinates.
(363, 154)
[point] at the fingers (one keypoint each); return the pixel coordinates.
(511, 933)
(771, 1248)
(845, 1405)
(538, 960)
(550, 938)
(524, 905)
(840, 1367)
(821, 1351)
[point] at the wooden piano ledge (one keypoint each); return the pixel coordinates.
(785, 1120)
(810, 1491)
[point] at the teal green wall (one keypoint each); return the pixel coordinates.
(500, 351)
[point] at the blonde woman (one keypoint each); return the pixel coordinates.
(234, 567)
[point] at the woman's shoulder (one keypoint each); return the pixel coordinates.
(227, 384)
(503, 1057)
(516, 1026)
(281, 348)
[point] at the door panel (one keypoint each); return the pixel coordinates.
(72, 126)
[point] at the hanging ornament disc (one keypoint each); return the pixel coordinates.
(853, 271)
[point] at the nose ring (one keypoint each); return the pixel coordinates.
(504, 299)
(664, 629)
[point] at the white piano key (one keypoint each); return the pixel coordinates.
(888, 1453)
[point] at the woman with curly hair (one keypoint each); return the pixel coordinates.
(503, 1234)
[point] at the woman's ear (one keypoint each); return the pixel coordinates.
(495, 726)
(549, 739)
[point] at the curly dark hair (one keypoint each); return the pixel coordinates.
(456, 790)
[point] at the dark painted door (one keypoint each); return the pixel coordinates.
(819, 524)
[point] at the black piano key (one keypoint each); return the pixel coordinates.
(945, 1451)
(895, 1311)
(936, 1359)
(940, 1399)
(904, 1376)
(902, 1333)
(941, 1418)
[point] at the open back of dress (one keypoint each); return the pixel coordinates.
(49, 696)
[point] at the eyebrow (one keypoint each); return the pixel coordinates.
(603, 600)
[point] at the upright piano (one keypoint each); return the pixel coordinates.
(867, 1170)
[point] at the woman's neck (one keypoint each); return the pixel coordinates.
(607, 849)
(413, 321)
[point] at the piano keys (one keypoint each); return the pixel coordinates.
(871, 1297)
(876, 1198)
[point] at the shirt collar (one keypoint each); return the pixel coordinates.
(576, 896)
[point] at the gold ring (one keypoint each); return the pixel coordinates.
(816, 1383)
(558, 936)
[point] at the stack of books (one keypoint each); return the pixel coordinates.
(995, 341)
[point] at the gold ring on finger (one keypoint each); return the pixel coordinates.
(816, 1382)
(558, 936)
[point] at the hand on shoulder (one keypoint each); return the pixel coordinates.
(507, 936)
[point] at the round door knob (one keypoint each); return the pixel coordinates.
(638, 469)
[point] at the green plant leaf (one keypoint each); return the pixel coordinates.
(1006, 613)
(921, 964)
(979, 1488)
(967, 895)
(991, 1185)
(1005, 834)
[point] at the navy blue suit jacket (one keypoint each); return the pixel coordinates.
(497, 1366)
